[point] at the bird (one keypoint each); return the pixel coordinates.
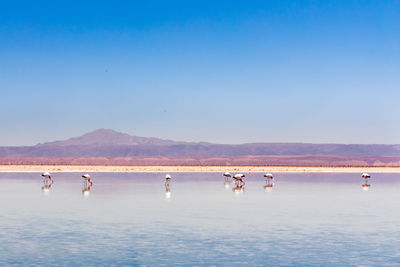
(46, 175)
(88, 183)
(239, 183)
(227, 175)
(167, 189)
(87, 179)
(239, 176)
(47, 178)
(269, 182)
(239, 179)
(365, 175)
(47, 182)
(269, 176)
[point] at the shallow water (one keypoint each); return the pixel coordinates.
(128, 219)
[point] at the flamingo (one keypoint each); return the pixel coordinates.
(167, 189)
(239, 182)
(227, 175)
(365, 175)
(239, 177)
(269, 181)
(269, 176)
(87, 185)
(47, 182)
(47, 176)
(86, 178)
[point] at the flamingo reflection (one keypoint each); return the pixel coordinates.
(365, 186)
(47, 182)
(269, 182)
(87, 185)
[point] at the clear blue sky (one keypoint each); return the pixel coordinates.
(217, 71)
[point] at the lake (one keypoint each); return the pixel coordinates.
(131, 220)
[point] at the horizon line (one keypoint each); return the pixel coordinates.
(202, 142)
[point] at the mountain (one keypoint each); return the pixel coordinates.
(112, 144)
(107, 137)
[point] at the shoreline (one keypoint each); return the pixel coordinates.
(186, 168)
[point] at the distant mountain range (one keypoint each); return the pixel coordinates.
(111, 144)
(107, 137)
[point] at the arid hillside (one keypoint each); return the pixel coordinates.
(108, 147)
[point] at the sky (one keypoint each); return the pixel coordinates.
(216, 71)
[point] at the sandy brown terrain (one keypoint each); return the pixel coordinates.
(300, 160)
(220, 169)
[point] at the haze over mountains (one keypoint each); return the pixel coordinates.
(109, 143)
(105, 146)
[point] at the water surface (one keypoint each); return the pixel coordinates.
(129, 219)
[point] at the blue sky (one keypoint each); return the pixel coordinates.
(217, 71)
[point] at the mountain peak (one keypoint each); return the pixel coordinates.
(104, 137)
(105, 131)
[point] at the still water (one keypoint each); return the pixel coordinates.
(130, 219)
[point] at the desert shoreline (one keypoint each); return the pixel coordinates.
(186, 168)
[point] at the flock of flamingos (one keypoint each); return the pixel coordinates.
(237, 179)
(48, 181)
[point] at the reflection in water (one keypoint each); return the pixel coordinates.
(269, 182)
(167, 189)
(239, 188)
(47, 182)
(365, 186)
(46, 189)
(268, 186)
(87, 185)
(227, 184)
(239, 183)
(167, 192)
